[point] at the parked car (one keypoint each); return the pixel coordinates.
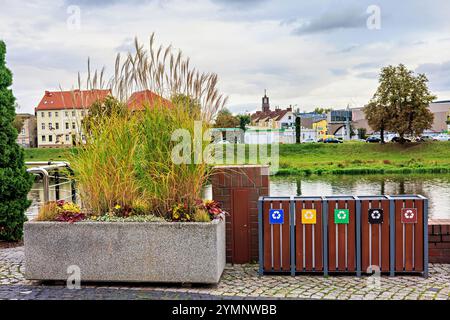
(424, 139)
(398, 140)
(373, 139)
(332, 140)
(309, 140)
(442, 137)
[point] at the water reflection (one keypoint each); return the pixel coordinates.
(435, 188)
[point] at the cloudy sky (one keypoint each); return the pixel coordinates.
(305, 53)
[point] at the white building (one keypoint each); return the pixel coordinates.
(59, 116)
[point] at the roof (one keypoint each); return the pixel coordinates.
(140, 99)
(276, 115)
(76, 99)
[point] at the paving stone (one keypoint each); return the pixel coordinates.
(238, 282)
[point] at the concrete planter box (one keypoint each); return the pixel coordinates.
(126, 252)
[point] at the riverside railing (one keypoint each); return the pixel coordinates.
(51, 169)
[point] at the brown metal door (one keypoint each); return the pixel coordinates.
(375, 237)
(409, 238)
(240, 226)
(276, 238)
(308, 238)
(342, 238)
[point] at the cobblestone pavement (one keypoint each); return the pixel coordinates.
(238, 282)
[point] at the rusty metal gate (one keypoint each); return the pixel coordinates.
(343, 234)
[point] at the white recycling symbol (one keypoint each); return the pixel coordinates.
(342, 215)
(276, 215)
(308, 215)
(409, 214)
(376, 215)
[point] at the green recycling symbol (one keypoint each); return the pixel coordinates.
(341, 216)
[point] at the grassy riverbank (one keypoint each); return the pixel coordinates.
(364, 158)
(346, 158)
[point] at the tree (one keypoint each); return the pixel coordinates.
(244, 120)
(226, 120)
(400, 103)
(18, 123)
(193, 105)
(319, 110)
(15, 182)
(102, 109)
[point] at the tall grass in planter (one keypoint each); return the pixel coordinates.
(104, 166)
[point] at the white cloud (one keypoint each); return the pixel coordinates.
(252, 46)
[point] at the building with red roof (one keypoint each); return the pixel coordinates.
(146, 98)
(59, 115)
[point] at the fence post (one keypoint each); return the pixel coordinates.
(325, 235)
(358, 237)
(292, 237)
(260, 235)
(392, 235)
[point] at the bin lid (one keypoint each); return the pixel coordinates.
(407, 197)
(372, 197)
(346, 198)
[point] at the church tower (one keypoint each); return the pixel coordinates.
(265, 103)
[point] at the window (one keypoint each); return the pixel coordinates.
(67, 113)
(290, 117)
(42, 114)
(67, 137)
(57, 125)
(50, 126)
(82, 113)
(50, 138)
(73, 125)
(83, 137)
(49, 114)
(43, 138)
(23, 130)
(73, 113)
(43, 126)
(67, 126)
(56, 114)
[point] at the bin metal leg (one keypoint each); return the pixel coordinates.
(260, 236)
(325, 236)
(358, 238)
(392, 237)
(425, 237)
(292, 236)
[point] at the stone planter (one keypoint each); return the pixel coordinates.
(126, 252)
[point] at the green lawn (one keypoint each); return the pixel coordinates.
(57, 154)
(346, 158)
(360, 157)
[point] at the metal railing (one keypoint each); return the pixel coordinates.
(44, 168)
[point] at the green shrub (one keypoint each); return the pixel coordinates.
(15, 182)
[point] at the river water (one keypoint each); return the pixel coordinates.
(435, 187)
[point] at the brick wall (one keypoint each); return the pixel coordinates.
(238, 190)
(439, 241)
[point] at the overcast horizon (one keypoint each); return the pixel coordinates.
(306, 54)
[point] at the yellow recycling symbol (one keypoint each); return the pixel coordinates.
(309, 216)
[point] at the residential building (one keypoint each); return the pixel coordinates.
(59, 116)
(27, 136)
(276, 119)
(139, 100)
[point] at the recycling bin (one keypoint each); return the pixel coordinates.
(376, 237)
(410, 229)
(307, 235)
(274, 235)
(342, 234)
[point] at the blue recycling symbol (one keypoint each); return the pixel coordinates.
(276, 216)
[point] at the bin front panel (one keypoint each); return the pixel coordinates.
(308, 237)
(375, 236)
(276, 238)
(409, 244)
(341, 237)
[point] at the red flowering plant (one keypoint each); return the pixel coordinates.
(214, 209)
